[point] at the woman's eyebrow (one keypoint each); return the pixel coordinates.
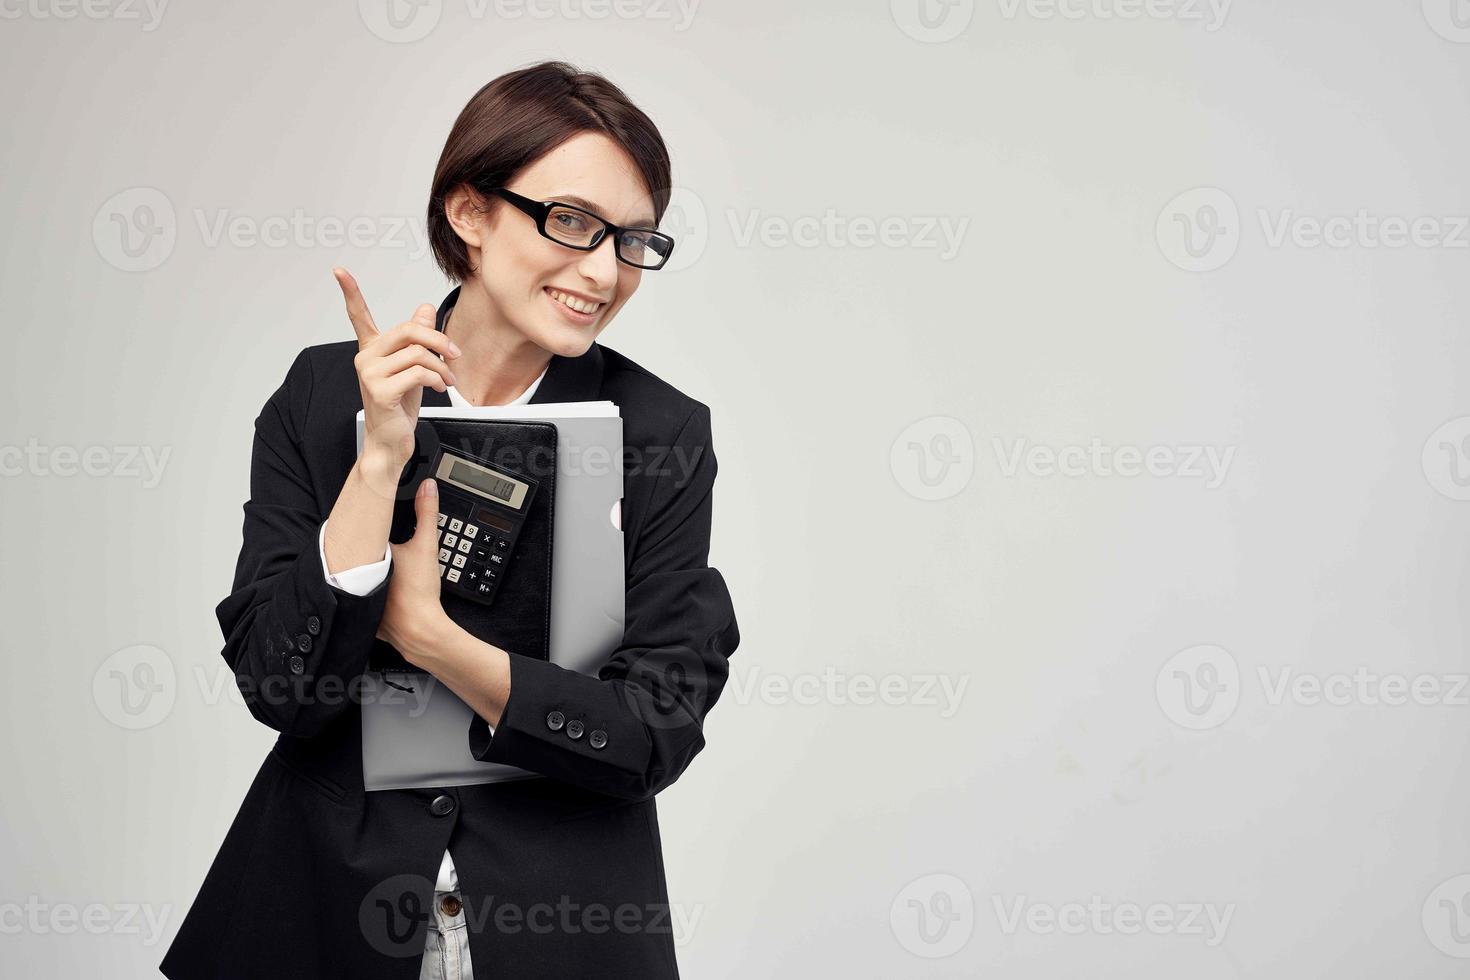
(587, 205)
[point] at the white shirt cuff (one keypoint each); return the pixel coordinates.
(359, 580)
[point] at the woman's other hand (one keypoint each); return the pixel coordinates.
(393, 368)
(414, 619)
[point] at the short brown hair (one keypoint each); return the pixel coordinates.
(515, 119)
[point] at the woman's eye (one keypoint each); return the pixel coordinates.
(570, 221)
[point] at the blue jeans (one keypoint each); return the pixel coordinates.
(447, 949)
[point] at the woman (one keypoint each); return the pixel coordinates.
(557, 876)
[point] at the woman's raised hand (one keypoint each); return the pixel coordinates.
(392, 369)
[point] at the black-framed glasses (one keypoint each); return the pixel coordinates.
(574, 227)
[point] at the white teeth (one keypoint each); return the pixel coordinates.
(581, 306)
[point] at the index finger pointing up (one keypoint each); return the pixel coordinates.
(357, 311)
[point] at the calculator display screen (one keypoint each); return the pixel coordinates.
(482, 480)
(488, 483)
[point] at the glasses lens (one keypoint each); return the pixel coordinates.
(572, 226)
(645, 249)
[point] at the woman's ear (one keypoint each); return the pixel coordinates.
(467, 212)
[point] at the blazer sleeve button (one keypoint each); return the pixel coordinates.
(598, 739)
(313, 625)
(555, 720)
(297, 665)
(574, 729)
(303, 643)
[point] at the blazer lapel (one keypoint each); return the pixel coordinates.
(568, 379)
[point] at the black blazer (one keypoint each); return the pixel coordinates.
(561, 875)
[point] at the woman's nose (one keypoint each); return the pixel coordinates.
(601, 264)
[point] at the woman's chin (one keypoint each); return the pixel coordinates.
(567, 341)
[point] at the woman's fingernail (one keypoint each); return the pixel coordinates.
(431, 489)
(453, 349)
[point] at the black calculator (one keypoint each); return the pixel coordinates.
(481, 511)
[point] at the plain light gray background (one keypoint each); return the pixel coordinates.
(1019, 716)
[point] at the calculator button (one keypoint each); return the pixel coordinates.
(486, 587)
(502, 543)
(453, 575)
(459, 561)
(455, 525)
(497, 559)
(442, 519)
(443, 554)
(465, 544)
(442, 570)
(471, 531)
(450, 540)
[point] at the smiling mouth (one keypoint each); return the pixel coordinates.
(573, 303)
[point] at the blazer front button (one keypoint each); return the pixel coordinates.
(598, 738)
(303, 643)
(297, 665)
(313, 625)
(574, 729)
(442, 806)
(555, 720)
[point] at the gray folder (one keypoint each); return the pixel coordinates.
(419, 738)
